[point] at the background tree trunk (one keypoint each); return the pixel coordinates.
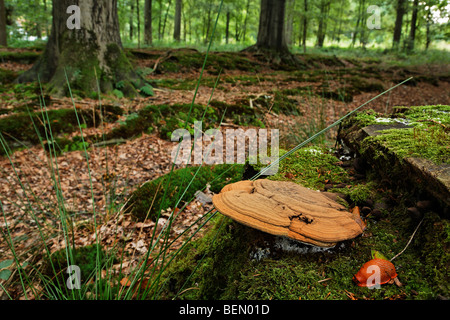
(271, 41)
(412, 33)
(271, 32)
(148, 37)
(131, 19)
(227, 27)
(92, 52)
(305, 24)
(177, 28)
(289, 21)
(3, 32)
(138, 13)
(398, 23)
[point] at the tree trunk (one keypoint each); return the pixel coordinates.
(177, 29)
(165, 18)
(160, 20)
(428, 33)
(131, 19)
(138, 13)
(412, 33)
(94, 51)
(271, 42)
(398, 23)
(227, 28)
(289, 21)
(148, 37)
(271, 33)
(305, 25)
(208, 24)
(321, 32)
(244, 33)
(3, 32)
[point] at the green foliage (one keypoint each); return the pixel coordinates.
(311, 167)
(147, 90)
(178, 183)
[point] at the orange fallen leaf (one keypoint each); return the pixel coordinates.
(125, 282)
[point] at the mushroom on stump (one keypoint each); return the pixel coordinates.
(287, 209)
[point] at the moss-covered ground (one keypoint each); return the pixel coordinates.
(232, 261)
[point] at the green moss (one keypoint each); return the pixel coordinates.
(311, 167)
(431, 142)
(18, 129)
(226, 268)
(178, 183)
(232, 261)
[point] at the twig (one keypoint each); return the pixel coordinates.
(410, 239)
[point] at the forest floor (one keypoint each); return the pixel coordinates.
(298, 102)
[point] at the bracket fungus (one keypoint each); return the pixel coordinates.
(287, 209)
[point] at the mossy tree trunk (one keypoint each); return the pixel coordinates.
(271, 41)
(93, 51)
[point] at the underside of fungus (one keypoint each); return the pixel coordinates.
(287, 209)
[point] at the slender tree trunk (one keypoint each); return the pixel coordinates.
(177, 29)
(183, 17)
(289, 21)
(305, 24)
(138, 13)
(412, 33)
(165, 18)
(358, 23)
(323, 22)
(89, 54)
(428, 32)
(148, 37)
(208, 24)
(398, 23)
(227, 27)
(131, 19)
(236, 29)
(160, 19)
(244, 33)
(3, 32)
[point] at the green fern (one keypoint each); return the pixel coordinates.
(147, 90)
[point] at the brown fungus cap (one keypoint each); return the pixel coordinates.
(287, 209)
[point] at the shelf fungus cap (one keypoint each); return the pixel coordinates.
(287, 209)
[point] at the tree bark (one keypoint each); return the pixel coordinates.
(131, 19)
(227, 27)
(321, 32)
(165, 18)
(247, 9)
(138, 13)
(412, 33)
(148, 37)
(94, 51)
(398, 23)
(177, 29)
(271, 32)
(305, 25)
(3, 32)
(289, 21)
(271, 41)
